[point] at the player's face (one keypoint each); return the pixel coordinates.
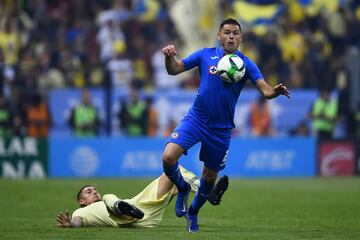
(89, 195)
(230, 37)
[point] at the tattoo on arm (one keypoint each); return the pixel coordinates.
(77, 222)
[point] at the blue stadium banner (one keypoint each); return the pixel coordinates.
(141, 157)
(272, 157)
(106, 157)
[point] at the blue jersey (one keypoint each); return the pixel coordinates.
(215, 102)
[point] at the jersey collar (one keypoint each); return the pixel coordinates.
(221, 52)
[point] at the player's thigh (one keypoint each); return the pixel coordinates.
(214, 152)
(165, 186)
(186, 135)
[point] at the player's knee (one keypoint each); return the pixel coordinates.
(168, 159)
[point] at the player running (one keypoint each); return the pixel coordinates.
(210, 119)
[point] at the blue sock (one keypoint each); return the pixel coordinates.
(174, 174)
(201, 196)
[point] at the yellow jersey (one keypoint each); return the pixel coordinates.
(98, 215)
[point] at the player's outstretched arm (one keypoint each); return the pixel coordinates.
(272, 92)
(172, 63)
(64, 220)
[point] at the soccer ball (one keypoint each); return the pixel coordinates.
(231, 68)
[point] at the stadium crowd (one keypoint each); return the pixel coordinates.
(52, 44)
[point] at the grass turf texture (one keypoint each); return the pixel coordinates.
(317, 208)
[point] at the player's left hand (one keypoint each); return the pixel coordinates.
(281, 89)
(64, 219)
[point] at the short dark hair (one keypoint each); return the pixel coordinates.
(231, 21)
(78, 195)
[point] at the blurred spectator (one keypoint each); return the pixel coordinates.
(270, 58)
(344, 109)
(10, 44)
(318, 56)
(28, 72)
(13, 13)
(2, 69)
(49, 76)
(293, 44)
(5, 118)
(106, 37)
(324, 114)
(260, 118)
(302, 129)
(71, 66)
(336, 26)
(249, 47)
(152, 123)
(133, 115)
(138, 56)
(171, 126)
(18, 129)
(10, 48)
(110, 30)
(357, 122)
(191, 80)
(162, 80)
(84, 118)
(95, 75)
(120, 68)
(37, 117)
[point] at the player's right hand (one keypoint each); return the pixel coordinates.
(64, 219)
(281, 89)
(169, 50)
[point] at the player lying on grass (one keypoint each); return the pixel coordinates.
(144, 210)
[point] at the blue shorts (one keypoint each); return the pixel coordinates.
(214, 142)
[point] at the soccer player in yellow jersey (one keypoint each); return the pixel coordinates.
(144, 210)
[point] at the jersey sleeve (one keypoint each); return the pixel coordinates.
(193, 59)
(252, 71)
(80, 213)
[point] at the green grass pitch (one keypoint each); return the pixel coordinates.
(313, 208)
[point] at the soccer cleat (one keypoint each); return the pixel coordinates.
(182, 201)
(192, 222)
(219, 190)
(129, 210)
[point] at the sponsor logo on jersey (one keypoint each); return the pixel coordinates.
(212, 69)
(175, 135)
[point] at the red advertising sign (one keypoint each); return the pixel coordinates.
(337, 159)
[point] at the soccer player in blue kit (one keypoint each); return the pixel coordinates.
(210, 119)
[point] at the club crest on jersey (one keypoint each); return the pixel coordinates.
(212, 69)
(175, 135)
